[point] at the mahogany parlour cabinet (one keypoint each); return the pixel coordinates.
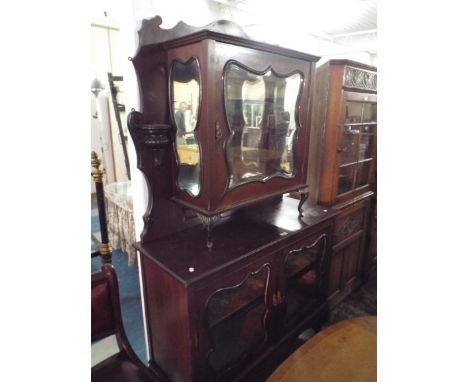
(230, 267)
(345, 109)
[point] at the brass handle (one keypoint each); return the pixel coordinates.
(280, 298)
(218, 133)
(277, 298)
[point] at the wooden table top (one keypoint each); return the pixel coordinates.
(344, 352)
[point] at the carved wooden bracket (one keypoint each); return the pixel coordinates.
(151, 136)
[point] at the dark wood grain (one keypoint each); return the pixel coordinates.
(181, 275)
(214, 312)
(167, 315)
(348, 254)
(330, 117)
(213, 50)
(348, 261)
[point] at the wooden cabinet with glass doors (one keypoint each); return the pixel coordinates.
(230, 268)
(349, 118)
(345, 110)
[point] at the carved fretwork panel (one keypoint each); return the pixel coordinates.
(360, 79)
(347, 225)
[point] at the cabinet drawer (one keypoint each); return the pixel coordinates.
(349, 222)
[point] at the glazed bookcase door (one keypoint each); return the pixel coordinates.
(304, 268)
(357, 146)
(235, 321)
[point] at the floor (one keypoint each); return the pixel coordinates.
(362, 302)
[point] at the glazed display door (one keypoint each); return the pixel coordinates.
(261, 127)
(304, 270)
(261, 111)
(234, 319)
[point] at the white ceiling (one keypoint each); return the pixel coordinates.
(322, 27)
(326, 28)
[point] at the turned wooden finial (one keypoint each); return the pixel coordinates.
(97, 174)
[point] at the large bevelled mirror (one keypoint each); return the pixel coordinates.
(261, 112)
(185, 104)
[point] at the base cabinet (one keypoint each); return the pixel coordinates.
(220, 325)
(348, 251)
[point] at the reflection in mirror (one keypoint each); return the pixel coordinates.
(185, 102)
(261, 113)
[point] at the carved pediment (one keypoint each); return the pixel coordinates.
(152, 33)
(360, 79)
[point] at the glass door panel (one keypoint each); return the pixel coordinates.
(304, 273)
(235, 318)
(369, 113)
(357, 146)
(261, 110)
(363, 170)
(346, 178)
(185, 105)
(366, 146)
(349, 144)
(353, 112)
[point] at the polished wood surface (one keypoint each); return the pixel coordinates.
(330, 117)
(182, 279)
(214, 312)
(152, 65)
(346, 180)
(347, 260)
(344, 352)
(237, 238)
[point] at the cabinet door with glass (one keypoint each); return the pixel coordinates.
(241, 118)
(304, 278)
(233, 315)
(357, 147)
(348, 115)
